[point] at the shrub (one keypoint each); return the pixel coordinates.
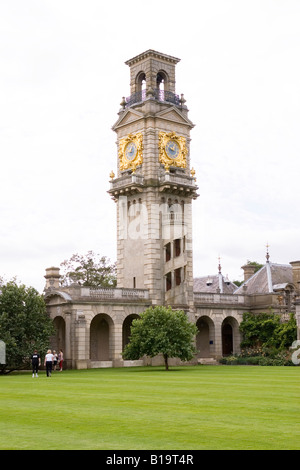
(267, 331)
(269, 357)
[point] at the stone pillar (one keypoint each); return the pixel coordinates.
(117, 346)
(81, 362)
(218, 340)
(67, 352)
(296, 275)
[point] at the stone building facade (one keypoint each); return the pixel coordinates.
(153, 192)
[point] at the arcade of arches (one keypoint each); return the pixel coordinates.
(214, 338)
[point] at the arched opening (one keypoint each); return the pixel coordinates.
(59, 337)
(231, 336)
(205, 337)
(141, 83)
(100, 338)
(227, 340)
(162, 81)
(126, 329)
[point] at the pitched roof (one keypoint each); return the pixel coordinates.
(213, 284)
(267, 278)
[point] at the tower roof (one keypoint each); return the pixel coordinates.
(154, 54)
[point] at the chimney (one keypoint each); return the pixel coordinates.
(296, 274)
(249, 270)
(52, 278)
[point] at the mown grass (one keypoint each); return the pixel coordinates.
(186, 408)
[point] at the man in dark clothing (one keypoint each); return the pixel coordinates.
(36, 362)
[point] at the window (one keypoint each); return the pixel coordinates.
(177, 248)
(177, 277)
(168, 251)
(168, 281)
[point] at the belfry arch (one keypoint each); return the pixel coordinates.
(140, 82)
(162, 81)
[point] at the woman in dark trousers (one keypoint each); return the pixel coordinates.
(36, 362)
(48, 362)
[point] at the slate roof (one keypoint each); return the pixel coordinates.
(268, 279)
(217, 284)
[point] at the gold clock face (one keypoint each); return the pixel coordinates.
(131, 152)
(172, 150)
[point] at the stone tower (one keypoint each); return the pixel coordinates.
(155, 185)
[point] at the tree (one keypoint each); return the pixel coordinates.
(24, 324)
(89, 270)
(266, 330)
(257, 265)
(161, 330)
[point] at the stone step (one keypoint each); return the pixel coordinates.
(207, 361)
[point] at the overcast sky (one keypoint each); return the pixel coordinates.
(62, 79)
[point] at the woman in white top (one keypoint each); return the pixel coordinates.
(48, 362)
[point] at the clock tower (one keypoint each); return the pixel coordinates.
(155, 184)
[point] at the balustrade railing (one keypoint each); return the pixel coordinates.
(208, 298)
(114, 293)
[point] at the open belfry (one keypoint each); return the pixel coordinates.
(153, 190)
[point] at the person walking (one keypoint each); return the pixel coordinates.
(48, 362)
(55, 359)
(61, 359)
(36, 362)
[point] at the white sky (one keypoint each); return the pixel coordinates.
(62, 78)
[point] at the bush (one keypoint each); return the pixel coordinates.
(266, 330)
(271, 358)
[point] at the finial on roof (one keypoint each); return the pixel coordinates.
(268, 254)
(219, 266)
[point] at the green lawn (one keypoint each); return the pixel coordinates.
(185, 408)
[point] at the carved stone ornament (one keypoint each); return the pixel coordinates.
(131, 152)
(172, 150)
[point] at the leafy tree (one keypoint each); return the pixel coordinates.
(257, 265)
(161, 330)
(266, 330)
(89, 270)
(24, 324)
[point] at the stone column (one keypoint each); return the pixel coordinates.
(67, 352)
(296, 275)
(82, 361)
(218, 339)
